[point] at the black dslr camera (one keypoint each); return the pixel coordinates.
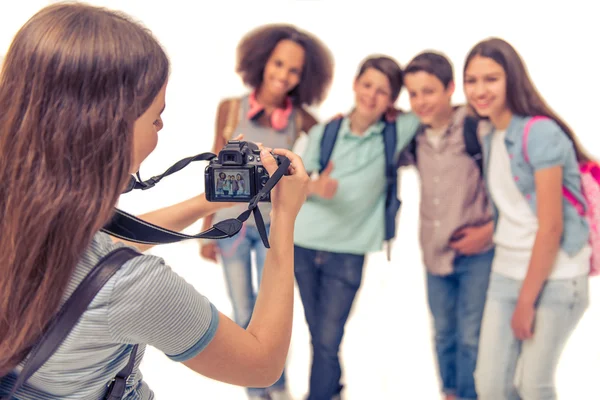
(236, 174)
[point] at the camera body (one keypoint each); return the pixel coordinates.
(236, 174)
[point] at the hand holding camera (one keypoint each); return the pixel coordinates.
(242, 169)
(237, 174)
(289, 194)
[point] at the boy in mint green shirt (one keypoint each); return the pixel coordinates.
(349, 219)
(343, 217)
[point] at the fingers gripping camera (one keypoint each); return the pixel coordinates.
(236, 174)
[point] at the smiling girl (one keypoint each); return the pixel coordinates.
(286, 70)
(539, 286)
(82, 91)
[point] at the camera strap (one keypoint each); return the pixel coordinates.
(128, 227)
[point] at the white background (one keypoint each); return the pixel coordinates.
(387, 352)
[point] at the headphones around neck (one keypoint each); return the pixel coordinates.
(279, 117)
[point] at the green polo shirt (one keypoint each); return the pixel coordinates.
(353, 220)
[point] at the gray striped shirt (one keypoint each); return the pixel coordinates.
(144, 303)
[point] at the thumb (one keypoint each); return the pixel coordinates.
(328, 169)
(268, 161)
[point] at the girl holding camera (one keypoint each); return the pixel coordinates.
(82, 90)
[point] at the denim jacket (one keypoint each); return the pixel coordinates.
(547, 146)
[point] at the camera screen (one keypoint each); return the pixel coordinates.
(232, 184)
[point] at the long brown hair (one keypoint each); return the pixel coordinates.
(72, 84)
(521, 95)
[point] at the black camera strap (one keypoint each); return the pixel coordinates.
(128, 227)
(179, 165)
(68, 316)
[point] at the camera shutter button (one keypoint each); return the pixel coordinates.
(254, 147)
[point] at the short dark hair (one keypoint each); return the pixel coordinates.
(256, 47)
(387, 66)
(433, 63)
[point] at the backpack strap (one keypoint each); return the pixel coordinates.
(392, 203)
(328, 141)
(472, 144)
(412, 148)
(232, 118)
(116, 387)
(298, 121)
(566, 192)
(68, 316)
(526, 134)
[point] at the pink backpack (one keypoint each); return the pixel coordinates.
(590, 185)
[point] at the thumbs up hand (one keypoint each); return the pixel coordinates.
(325, 186)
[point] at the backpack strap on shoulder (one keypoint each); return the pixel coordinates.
(297, 131)
(390, 138)
(392, 203)
(60, 326)
(472, 144)
(412, 147)
(531, 121)
(232, 118)
(330, 134)
(298, 121)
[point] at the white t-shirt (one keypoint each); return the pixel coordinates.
(518, 225)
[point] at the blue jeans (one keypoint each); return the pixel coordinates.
(510, 369)
(328, 283)
(236, 256)
(456, 302)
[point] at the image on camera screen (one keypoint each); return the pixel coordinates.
(232, 184)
